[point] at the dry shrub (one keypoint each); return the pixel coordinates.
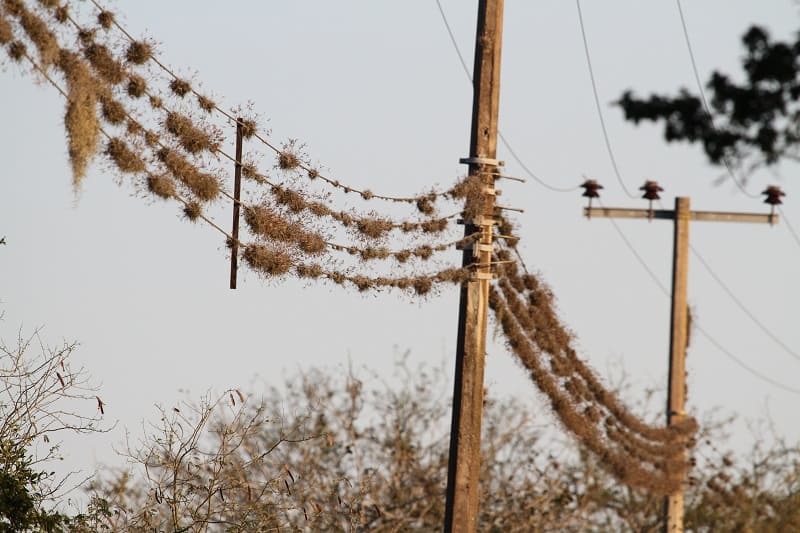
(618, 463)
(402, 256)
(266, 260)
(265, 222)
(134, 128)
(202, 184)
(422, 285)
(250, 171)
(288, 160)
(313, 173)
(14, 8)
(311, 271)
(374, 228)
(104, 63)
(156, 102)
(423, 252)
(248, 127)
(206, 103)
(37, 30)
(192, 138)
(367, 194)
(161, 186)
(105, 19)
(291, 199)
(17, 51)
(368, 254)
(61, 14)
(139, 52)
(137, 86)
(82, 125)
(122, 156)
(345, 219)
(151, 139)
(434, 226)
(6, 33)
(319, 209)
(425, 205)
(476, 202)
(544, 328)
(113, 111)
(506, 228)
(49, 4)
(86, 36)
(192, 211)
(180, 87)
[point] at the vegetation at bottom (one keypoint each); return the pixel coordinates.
(349, 451)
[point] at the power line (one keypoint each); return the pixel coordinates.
(453, 40)
(502, 137)
(597, 102)
(708, 336)
(792, 231)
(744, 365)
(638, 257)
(703, 97)
(743, 307)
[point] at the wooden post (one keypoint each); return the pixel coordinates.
(461, 508)
(676, 389)
(237, 190)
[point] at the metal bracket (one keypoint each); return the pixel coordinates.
(507, 208)
(478, 247)
(481, 161)
(482, 275)
(479, 221)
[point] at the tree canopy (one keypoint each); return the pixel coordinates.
(753, 121)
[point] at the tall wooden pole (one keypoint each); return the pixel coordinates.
(679, 319)
(237, 190)
(676, 389)
(461, 510)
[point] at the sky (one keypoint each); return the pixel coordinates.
(376, 92)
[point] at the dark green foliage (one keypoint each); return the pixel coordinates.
(21, 494)
(757, 118)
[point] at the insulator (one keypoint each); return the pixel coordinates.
(591, 188)
(651, 190)
(773, 193)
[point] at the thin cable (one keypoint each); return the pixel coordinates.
(638, 257)
(503, 139)
(703, 97)
(711, 339)
(309, 169)
(742, 306)
(597, 102)
(453, 40)
(789, 226)
(744, 365)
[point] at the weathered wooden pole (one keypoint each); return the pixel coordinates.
(679, 319)
(461, 509)
(237, 191)
(679, 331)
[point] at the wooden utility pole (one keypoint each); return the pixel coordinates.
(237, 191)
(679, 325)
(461, 509)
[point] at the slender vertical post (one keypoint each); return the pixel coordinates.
(237, 189)
(676, 391)
(461, 509)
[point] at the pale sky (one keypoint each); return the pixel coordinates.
(376, 92)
